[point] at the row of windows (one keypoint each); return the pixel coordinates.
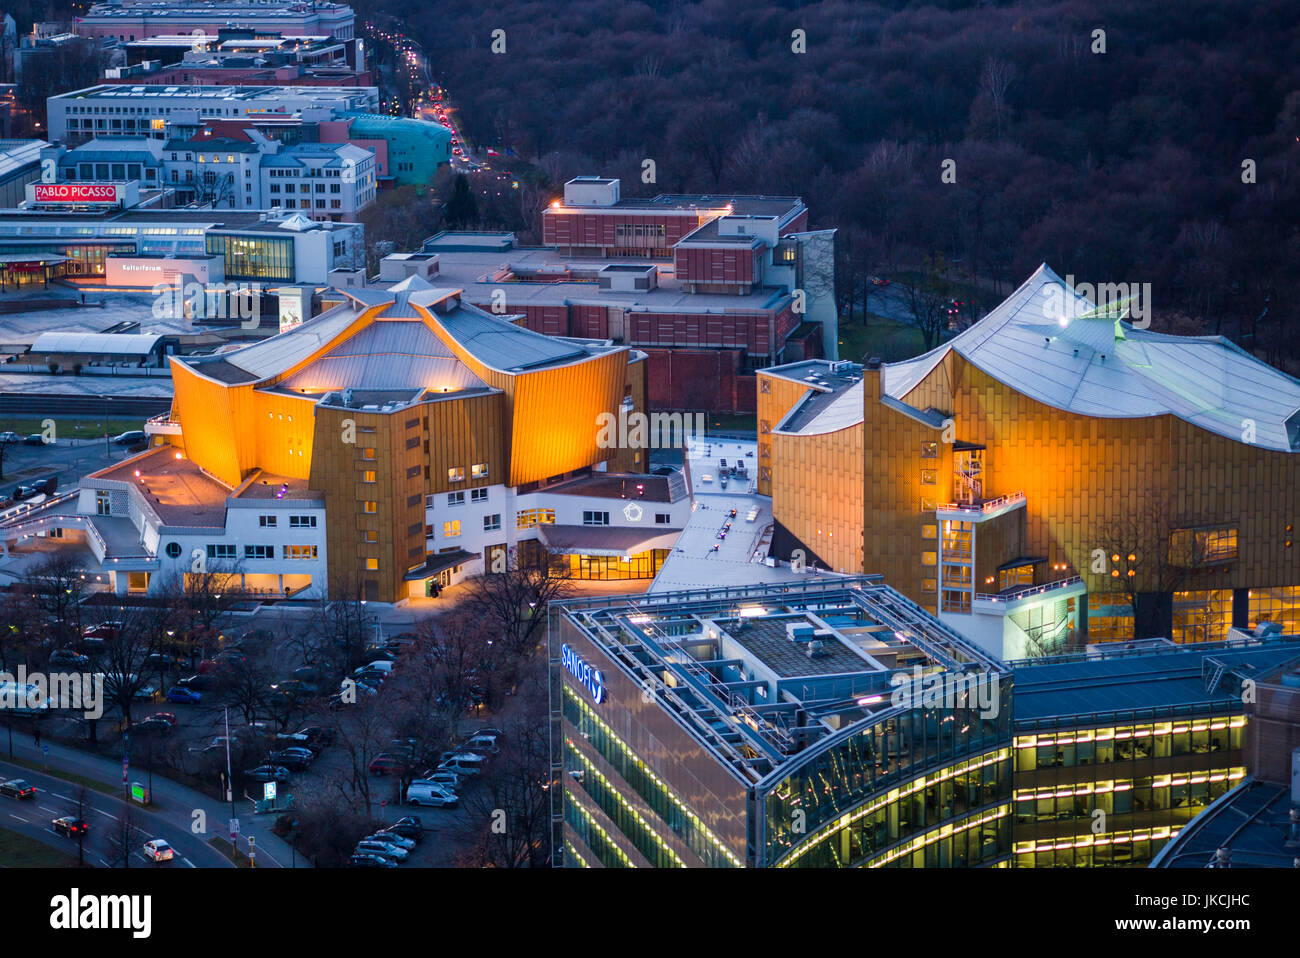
(1128, 743)
(295, 522)
(226, 550)
(1183, 794)
(478, 470)
(458, 498)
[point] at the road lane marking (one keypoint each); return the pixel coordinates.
(20, 818)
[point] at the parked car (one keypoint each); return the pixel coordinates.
(168, 717)
(197, 683)
(17, 788)
(482, 743)
(70, 827)
(387, 850)
(427, 793)
(268, 773)
(292, 759)
(387, 764)
(129, 438)
(151, 725)
(102, 632)
(367, 860)
(34, 439)
(69, 659)
(441, 776)
(159, 660)
(408, 828)
(183, 694)
(392, 838)
(318, 734)
(8, 438)
(157, 850)
(466, 764)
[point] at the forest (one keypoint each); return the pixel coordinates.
(1134, 141)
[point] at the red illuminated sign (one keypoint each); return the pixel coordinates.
(75, 193)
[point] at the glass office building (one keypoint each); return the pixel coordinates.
(836, 724)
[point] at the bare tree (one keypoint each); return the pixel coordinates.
(512, 604)
(512, 806)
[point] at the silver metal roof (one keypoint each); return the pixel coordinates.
(387, 355)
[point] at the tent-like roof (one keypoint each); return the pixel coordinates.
(110, 344)
(1054, 346)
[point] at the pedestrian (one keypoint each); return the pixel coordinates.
(37, 736)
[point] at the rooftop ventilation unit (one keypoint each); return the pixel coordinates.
(816, 649)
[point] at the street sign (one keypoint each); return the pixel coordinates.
(45, 749)
(234, 828)
(268, 791)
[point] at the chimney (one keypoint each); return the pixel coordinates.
(873, 386)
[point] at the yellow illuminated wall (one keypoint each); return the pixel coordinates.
(551, 414)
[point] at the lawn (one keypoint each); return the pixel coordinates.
(19, 851)
(890, 341)
(72, 427)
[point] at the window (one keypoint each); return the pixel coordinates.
(367, 453)
(369, 535)
(221, 550)
(1190, 548)
(929, 477)
(929, 450)
(370, 507)
(372, 565)
(928, 585)
(662, 518)
(302, 522)
(455, 498)
(929, 558)
(300, 552)
(479, 470)
(595, 518)
(259, 552)
(451, 528)
(174, 549)
(456, 474)
(765, 386)
(478, 495)
(266, 522)
(368, 476)
(929, 531)
(527, 518)
(492, 523)
(927, 504)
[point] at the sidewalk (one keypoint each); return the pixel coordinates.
(173, 802)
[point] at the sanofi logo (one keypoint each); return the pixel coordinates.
(590, 678)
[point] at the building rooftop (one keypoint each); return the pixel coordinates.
(833, 400)
(1102, 682)
(1250, 827)
(635, 488)
(761, 672)
(541, 276)
(1057, 347)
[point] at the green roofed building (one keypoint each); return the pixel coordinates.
(415, 147)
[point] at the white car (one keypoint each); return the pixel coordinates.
(429, 793)
(482, 743)
(444, 777)
(157, 850)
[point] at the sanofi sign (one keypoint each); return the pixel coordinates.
(588, 677)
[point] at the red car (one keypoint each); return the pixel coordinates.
(386, 764)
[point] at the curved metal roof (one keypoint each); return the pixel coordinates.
(1052, 345)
